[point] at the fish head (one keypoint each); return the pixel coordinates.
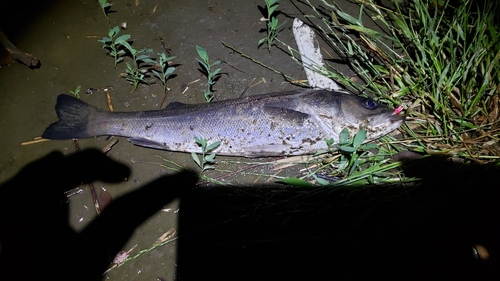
(356, 113)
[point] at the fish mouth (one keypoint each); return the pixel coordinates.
(391, 118)
(397, 118)
(384, 124)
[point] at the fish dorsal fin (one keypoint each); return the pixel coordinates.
(287, 114)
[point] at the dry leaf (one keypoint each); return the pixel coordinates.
(166, 236)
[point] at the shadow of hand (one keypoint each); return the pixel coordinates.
(34, 228)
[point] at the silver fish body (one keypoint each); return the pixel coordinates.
(286, 123)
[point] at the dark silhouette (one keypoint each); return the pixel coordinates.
(36, 240)
(424, 232)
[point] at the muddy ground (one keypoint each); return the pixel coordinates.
(63, 36)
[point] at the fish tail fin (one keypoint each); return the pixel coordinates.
(73, 119)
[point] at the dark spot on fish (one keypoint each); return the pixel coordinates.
(309, 141)
(269, 135)
(191, 128)
(149, 126)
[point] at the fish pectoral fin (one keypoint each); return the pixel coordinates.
(286, 113)
(147, 143)
(267, 150)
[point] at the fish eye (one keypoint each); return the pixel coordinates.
(370, 104)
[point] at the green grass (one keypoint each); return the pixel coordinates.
(440, 62)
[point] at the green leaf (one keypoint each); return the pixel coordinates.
(364, 30)
(273, 23)
(122, 38)
(320, 180)
(359, 138)
(147, 60)
(354, 166)
(213, 146)
(113, 31)
(169, 70)
(201, 142)
(208, 167)
(128, 46)
(203, 64)
(350, 19)
(296, 182)
(215, 72)
(202, 53)
(370, 146)
(443, 75)
(348, 149)
(344, 136)
(329, 142)
(261, 41)
(105, 40)
(403, 27)
(142, 57)
(210, 158)
(157, 74)
(271, 9)
(196, 159)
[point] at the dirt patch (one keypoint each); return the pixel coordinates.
(63, 36)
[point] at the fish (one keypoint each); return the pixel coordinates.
(275, 124)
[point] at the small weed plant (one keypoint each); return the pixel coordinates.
(136, 72)
(115, 47)
(351, 162)
(135, 76)
(207, 68)
(207, 159)
(76, 92)
(272, 23)
(165, 70)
